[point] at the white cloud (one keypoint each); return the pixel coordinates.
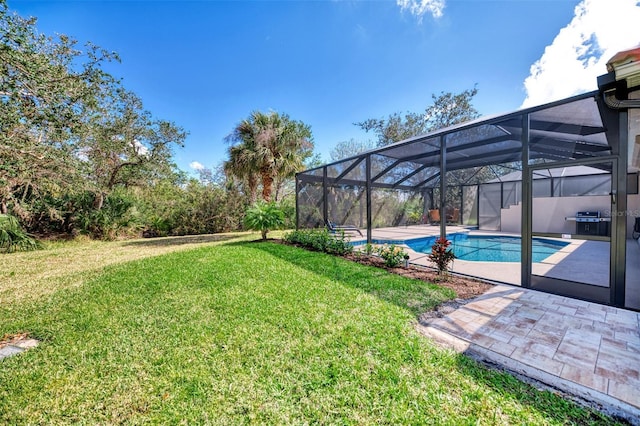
(196, 165)
(419, 8)
(140, 148)
(580, 51)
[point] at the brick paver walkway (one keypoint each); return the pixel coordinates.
(585, 349)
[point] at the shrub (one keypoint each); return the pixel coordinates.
(320, 240)
(264, 217)
(117, 215)
(368, 248)
(288, 207)
(441, 255)
(315, 239)
(339, 244)
(414, 217)
(190, 208)
(13, 237)
(393, 255)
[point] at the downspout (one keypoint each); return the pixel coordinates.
(622, 80)
(623, 77)
(613, 102)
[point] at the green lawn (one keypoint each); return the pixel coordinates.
(237, 332)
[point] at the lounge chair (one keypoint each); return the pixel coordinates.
(434, 216)
(454, 216)
(334, 227)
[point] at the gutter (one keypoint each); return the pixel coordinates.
(622, 78)
(612, 101)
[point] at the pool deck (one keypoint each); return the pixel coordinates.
(581, 260)
(587, 351)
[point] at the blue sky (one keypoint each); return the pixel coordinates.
(207, 64)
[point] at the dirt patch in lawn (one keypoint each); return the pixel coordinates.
(17, 342)
(10, 339)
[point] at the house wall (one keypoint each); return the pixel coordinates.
(510, 219)
(549, 213)
(633, 209)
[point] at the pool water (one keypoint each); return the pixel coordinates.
(489, 248)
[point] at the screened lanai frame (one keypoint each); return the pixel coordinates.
(578, 129)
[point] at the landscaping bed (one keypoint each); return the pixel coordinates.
(465, 288)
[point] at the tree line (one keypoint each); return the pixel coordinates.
(80, 154)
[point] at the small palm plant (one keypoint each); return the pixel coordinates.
(442, 255)
(264, 217)
(13, 237)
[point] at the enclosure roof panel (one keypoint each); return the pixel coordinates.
(560, 131)
(555, 172)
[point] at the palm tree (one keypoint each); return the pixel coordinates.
(268, 146)
(241, 166)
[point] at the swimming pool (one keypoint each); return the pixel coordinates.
(489, 248)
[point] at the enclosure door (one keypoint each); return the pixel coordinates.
(570, 228)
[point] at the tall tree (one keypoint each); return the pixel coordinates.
(242, 165)
(70, 134)
(265, 147)
(44, 83)
(447, 109)
(124, 145)
(350, 148)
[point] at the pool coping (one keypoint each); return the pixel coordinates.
(491, 271)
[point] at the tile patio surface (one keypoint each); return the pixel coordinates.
(584, 349)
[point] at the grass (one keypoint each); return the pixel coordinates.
(235, 333)
(33, 275)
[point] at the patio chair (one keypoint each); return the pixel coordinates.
(334, 227)
(454, 217)
(434, 216)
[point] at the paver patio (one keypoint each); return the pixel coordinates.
(585, 349)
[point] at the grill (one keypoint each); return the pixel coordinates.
(587, 217)
(589, 223)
